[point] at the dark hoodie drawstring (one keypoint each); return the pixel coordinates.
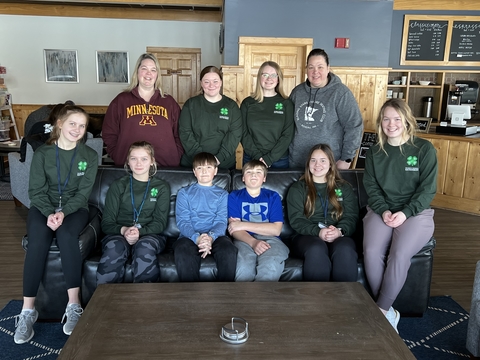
(310, 112)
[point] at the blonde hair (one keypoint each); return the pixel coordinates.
(334, 180)
(258, 95)
(134, 81)
(406, 115)
(60, 117)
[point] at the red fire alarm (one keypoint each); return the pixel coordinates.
(343, 43)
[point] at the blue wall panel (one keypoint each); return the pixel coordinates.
(366, 23)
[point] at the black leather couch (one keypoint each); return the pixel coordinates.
(52, 297)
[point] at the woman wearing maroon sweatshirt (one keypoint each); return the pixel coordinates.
(143, 112)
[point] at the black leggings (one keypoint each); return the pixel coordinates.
(39, 240)
(324, 261)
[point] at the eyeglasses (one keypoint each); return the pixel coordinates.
(271, 76)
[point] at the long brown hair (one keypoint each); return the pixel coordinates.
(333, 181)
(61, 117)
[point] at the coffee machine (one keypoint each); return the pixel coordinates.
(469, 92)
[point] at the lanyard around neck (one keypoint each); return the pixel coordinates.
(324, 205)
(60, 188)
(136, 213)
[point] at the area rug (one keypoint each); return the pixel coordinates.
(440, 334)
(45, 344)
(5, 191)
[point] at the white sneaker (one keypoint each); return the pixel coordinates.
(72, 313)
(24, 326)
(393, 316)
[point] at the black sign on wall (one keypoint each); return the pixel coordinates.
(426, 40)
(465, 43)
(441, 40)
(369, 139)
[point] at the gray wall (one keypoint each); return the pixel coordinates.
(25, 37)
(366, 23)
(397, 32)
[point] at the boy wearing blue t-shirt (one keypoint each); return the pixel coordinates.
(255, 220)
(201, 214)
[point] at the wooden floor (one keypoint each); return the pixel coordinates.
(457, 251)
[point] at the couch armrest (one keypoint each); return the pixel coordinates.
(88, 239)
(90, 236)
(473, 332)
(20, 175)
(97, 145)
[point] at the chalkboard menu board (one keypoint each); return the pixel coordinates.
(426, 40)
(440, 40)
(368, 140)
(465, 44)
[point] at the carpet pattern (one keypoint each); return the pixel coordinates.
(440, 334)
(5, 191)
(46, 344)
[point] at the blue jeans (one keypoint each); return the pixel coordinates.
(281, 163)
(265, 267)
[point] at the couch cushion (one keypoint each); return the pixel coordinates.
(175, 177)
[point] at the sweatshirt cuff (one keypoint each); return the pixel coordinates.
(407, 212)
(195, 237)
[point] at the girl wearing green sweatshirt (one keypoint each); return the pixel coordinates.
(400, 180)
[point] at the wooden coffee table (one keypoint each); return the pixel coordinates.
(287, 320)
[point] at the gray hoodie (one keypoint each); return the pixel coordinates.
(328, 115)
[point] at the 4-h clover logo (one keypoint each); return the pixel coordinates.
(278, 106)
(82, 165)
(154, 192)
(412, 160)
(224, 111)
(338, 192)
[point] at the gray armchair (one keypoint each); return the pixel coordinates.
(473, 333)
(20, 171)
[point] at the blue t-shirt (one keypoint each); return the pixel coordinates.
(266, 207)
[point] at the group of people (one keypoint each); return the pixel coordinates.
(318, 128)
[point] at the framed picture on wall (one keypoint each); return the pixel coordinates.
(423, 124)
(61, 66)
(112, 67)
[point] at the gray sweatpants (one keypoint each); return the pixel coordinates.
(266, 267)
(387, 275)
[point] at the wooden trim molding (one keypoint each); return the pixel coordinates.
(21, 112)
(201, 3)
(436, 5)
(109, 12)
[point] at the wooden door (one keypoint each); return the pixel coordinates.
(180, 69)
(289, 53)
(240, 81)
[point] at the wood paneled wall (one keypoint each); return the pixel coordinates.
(21, 112)
(458, 178)
(368, 85)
